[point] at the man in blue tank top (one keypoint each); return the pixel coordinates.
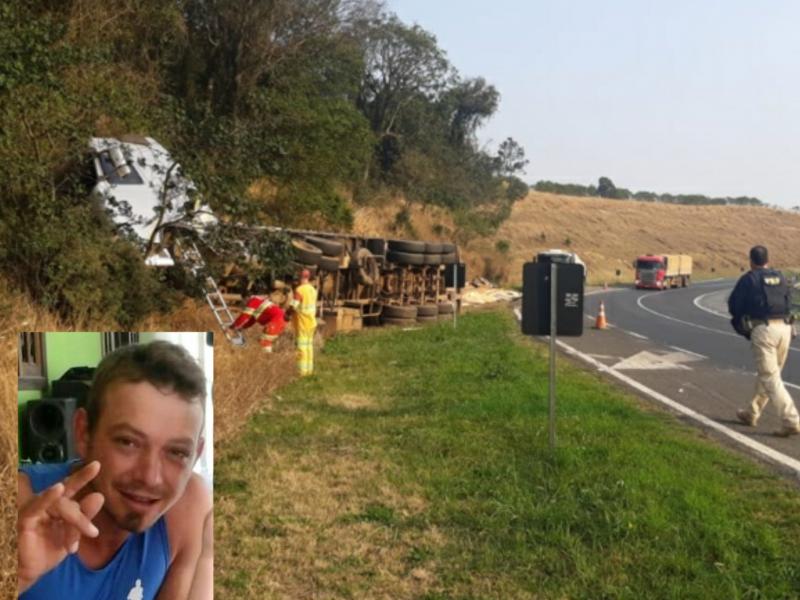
(129, 521)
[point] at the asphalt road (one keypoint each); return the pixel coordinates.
(676, 347)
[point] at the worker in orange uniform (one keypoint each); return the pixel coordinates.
(304, 318)
(263, 311)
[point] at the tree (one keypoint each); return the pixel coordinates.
(402, 64)
(467, 104)
(605, 188)
(510, 158)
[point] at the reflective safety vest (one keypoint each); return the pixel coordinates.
(258, 310)
(305, 308)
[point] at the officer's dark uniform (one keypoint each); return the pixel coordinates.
(760, 307)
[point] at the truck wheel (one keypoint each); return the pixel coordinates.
(432, 319)
(329, 263)
(377, 246)
(405, 258)
(445, 308)
(433, 259)
(433, 248)
(399, 322)
(427, 310)
(399, 312)
(297, 267)
(328, 247)
(306, 253)
(449, 259)
(408, 246)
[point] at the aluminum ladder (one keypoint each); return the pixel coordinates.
(221, 312)
(213, 296)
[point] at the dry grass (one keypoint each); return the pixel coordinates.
(609, 234)
(16, 315)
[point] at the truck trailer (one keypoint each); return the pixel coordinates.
(662, 271)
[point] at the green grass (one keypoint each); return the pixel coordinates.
(631, 504)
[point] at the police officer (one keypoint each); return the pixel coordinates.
(760, 306)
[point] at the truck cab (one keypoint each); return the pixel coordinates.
(143, 190)
(662, 271)
(556, 255)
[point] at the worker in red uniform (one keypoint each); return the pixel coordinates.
(263, 311)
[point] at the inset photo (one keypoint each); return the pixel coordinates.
(116, 465)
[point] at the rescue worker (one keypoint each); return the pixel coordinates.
(264, 311)
(304, 309)
(760, 307)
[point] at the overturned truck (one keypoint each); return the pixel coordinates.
(375, 280)
(361, 280)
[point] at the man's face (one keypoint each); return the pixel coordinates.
(147, 442)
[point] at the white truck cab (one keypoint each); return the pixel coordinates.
(143, 190)
(557, 255)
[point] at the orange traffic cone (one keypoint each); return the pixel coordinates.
(601, 323)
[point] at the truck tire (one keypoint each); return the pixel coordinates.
(432, 319)
(399, 322)
(448, 248)
(427, 310)
(329, 263)
(405, 258)
(306, 253)
(328, 247)
(445, 308)
(408, 246)
(367, 266)
(433, 259)
(433, 248)
(377, 246)
(449, 259)
(399, 312)
(297, 267)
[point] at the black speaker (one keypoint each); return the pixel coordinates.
(46, 430)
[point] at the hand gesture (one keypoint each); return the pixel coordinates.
(50, 525)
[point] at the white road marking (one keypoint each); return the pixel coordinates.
(679, 349)
(636, 335)
(663, 316)
(697, 300)
(651, 361)
(761, 449)
(695, 325)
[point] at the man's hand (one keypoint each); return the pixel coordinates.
(50, 525)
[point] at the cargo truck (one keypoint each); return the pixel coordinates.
(662, 271)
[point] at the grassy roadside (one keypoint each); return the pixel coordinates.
(415, 465)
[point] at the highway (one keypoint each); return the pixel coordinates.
(694, 318)
(676, 348)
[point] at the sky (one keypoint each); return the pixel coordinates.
(668, 96)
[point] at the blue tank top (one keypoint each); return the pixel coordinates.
(134, 573)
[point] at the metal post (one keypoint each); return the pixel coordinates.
(455, 295)
(552, 394)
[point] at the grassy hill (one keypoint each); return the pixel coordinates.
(609, 234)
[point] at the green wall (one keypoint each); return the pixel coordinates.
(71, 349)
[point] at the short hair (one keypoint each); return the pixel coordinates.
(165, 365)
(759, 256)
